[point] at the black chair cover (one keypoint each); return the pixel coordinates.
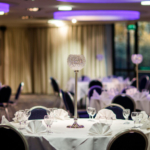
(95, 82)
(54, 85)
(18, 92)
(143, 82)
(5, 94)
(37, 113)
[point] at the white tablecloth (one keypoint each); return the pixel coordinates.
(83, 87)
(63, 138)
(103, 102)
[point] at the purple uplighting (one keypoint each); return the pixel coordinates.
(4, 7)
(101, 1)
(97, 15)
(99, 57)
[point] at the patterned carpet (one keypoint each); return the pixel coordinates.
(28, 101)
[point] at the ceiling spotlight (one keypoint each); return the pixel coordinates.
(145, 3)
(1, 13)
(57, 23)
(33, 9)
(74, 20)
(64, 8)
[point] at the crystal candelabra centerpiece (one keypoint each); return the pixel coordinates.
(76, 63)
(137, 58)
(99, 57)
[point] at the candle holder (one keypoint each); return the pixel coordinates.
(76, 63)
(137, 59)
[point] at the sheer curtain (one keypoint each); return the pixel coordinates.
(33, 55)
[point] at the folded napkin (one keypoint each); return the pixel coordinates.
(19, 116)
(144, 117)
(5, 121)
(100, 129)
(146, 124)
(105, 114)
(60, 114)
(95, 95)
(140, 96)
(35, 127)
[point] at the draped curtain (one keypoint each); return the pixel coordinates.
(32, 55)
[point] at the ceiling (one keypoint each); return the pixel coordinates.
(18, 8)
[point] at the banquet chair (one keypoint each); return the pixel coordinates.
(5, 94)
(98, 89)
(38, 112)
(20, 88)
(133, 82)
(129, 139)
(55, 86)
(68, 102)
(117, 109)
(143, 82)
(129, 87)
(126, 101)
(94, 83)
(12, 139)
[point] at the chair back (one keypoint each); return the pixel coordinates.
(63, 97)
(126, 101)
(84, 78)
(69, 100)
(11, 138)
(98, 89)
(133, 82)
(117, 109)
(130, 139)
(5, 94)
(54, 85)
(38, 112)
(143, 82)
(20, 87)
(95, 82)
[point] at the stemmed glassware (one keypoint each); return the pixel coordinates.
(126, 113)
(91, 111)
(134, 116)
(48, 121)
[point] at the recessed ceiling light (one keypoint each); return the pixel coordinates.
(1, 13)
(74, 20)
(25, 17)
(64, 8)
(145, 3)
(33, 9)
(57, 23)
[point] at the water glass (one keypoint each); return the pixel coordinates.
(134, 116)
(140, 117)
(88, 111)
(126, 113)
(48, 121)
(91, 111)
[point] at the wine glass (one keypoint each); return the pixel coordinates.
(126, 113)
(21, 119)
(134, 116)
(27, 113)
(93, 112)
(109, 121)
(48, 121)
(140, 117)
(88, 111)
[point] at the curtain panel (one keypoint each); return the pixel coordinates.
(32, 55)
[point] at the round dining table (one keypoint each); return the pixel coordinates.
(64, 138)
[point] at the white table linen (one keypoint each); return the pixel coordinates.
(63, 138)
(142, 104)
(83, 86)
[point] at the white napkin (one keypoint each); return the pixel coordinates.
(19, 116)
(144, 117)
(146, 124)
(105, 114)
(35, 126)
(5, 121)
(95, 95)
(140, 96)
(61, 114)
(100, 129)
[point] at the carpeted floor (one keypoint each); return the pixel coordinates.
(28, 101)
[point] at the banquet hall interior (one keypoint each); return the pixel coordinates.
(74, 74)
